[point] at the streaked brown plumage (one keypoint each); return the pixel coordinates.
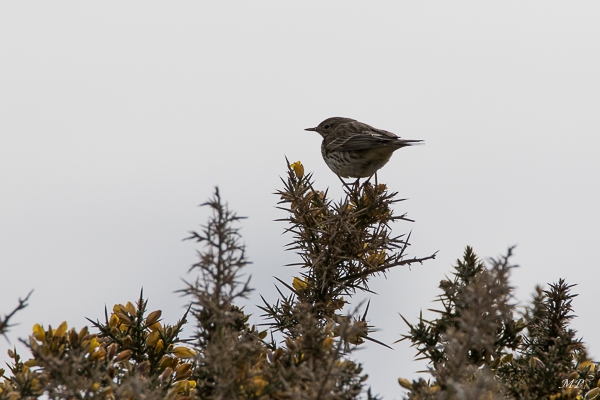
(353, 149)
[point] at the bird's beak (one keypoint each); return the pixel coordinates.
(311, 129)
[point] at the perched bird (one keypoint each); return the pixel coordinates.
(353, 149)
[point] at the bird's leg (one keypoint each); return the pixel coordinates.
(345, 184)
(369, 179)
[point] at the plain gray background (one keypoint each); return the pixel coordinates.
(118, 118)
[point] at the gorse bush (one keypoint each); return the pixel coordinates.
(477, 347)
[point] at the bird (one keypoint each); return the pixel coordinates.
(352, 149)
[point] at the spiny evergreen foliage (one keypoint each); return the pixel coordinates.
(133, 354)
(341, 245)
(478, 349)
(476, 346)
(5, 321)
(230, 351)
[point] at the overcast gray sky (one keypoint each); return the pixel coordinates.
(118, 118)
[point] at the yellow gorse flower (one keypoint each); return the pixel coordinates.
(586, 364)
(376, 258)
(183, 387)
(299, 358)
(38, 333)
(152, 338)
(99, 354)
(258, 383)
(298, 169)
(155, 326)
(357, 332)
(299, 284)
(92, 345)
(337, 304)
(373, 257)
(114, 320)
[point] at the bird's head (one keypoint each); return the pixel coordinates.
(329, 125)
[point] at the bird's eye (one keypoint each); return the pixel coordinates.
(326, 127)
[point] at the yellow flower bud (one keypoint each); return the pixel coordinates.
(112, 350)
(405, 383)
(165, 362)
(327, 342)
(573, 375)
(61, 330)
(592, 394)
(183, 371)
(124, 319)
(183, 352)
(507, 358)
(124, 355)
(495, 363)
(153, 317)
(166, 374)
(31, 363)
(130, 308)
(535, 362)
(143, 367)
(119, 308)
(83, 333)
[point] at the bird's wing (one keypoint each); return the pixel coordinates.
(353, 141)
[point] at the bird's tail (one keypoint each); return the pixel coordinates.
(408, 142)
